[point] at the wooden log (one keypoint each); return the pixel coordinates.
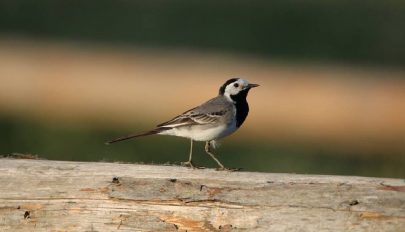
(42, 195)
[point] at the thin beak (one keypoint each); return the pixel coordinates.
(252, 85)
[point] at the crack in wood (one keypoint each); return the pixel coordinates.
(75, 196)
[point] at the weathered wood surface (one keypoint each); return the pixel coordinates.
(40, 195)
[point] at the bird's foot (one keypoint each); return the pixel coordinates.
(228, 169)
(187, 164)
(190, 165)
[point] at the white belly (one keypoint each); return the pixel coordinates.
(201, 132)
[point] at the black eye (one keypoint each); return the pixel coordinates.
(236, 85)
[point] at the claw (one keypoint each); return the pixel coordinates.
(187, 164)
(191, 165)
(228, 169)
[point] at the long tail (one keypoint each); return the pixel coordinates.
(130, 136)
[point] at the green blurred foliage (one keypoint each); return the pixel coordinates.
(359, 31)
(52, 140)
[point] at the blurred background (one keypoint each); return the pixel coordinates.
(74, 74)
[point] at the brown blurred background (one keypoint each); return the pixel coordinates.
(331, 101)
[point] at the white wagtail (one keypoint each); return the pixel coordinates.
(215, 119)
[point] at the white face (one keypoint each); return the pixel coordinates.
(235, 87)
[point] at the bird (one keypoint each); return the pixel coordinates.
(208, 122)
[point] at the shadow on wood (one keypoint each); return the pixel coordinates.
(77, 196)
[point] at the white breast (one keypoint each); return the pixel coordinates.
(202, 132)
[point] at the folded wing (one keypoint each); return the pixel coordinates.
(191, 117)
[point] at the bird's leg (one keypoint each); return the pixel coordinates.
(189, 162)
(207, 149)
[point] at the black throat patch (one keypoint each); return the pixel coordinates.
(242, 107)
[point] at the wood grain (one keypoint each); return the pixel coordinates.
(43, 195)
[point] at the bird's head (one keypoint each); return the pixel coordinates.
(236, 88)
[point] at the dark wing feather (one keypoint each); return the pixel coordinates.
(190, 118)
(210, 112)
(177, 121)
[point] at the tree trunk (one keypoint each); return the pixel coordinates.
(43, 195)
